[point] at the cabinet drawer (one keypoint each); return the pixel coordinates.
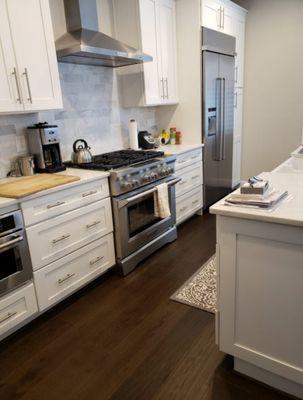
(16, 307)
(54, 204)
(61, 235)
(191, 177)
(188, 204)
(64, 276)
(188, 158)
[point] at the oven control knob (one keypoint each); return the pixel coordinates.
(145, 178)
(135, 182)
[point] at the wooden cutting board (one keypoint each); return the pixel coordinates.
(33, 184)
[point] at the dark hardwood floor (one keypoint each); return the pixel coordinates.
(124, 339)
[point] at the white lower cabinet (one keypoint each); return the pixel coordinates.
(188, 204)
(16, 307)
(66, 233)
(189, 191)
(64, 276)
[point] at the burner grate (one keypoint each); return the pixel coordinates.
(117, 159)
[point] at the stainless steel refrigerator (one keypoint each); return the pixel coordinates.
(218, 77)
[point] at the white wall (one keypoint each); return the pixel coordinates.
(273, 96)
(187, 115)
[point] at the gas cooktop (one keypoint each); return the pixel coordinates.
(117, 159)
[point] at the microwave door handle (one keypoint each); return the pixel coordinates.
(10, 243)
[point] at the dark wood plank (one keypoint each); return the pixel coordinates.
(123, 338)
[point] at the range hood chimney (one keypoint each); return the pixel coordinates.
(85, 44)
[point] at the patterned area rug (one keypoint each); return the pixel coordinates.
(200, 290)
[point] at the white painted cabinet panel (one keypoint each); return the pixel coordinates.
(10, 95)
(17, 307)
(68, 232)
(211, 14)
(61, 278)
(149, 25)
(35, 56)
(237, 145)
(167, 42)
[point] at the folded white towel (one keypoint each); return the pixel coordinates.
(161, 200)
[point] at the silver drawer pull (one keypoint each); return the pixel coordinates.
(194, 157)
(182, 161)
(195, 177)
(68, 276)
(30, 98)
(8, 316)
(60, 239)
(14, 73)
(93, 262)
(195, 202)
(183, 209)
(182, 183)
(59, 203)
(89, 193)
(93, 224)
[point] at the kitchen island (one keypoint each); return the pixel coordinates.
(260, 286)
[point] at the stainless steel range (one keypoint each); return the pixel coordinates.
(134, 177)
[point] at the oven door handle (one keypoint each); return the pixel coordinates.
(124, 202)
(15, 239)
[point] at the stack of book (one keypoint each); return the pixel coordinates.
(256, 193)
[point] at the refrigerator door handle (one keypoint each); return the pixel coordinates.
(222, 120)
(218, 119)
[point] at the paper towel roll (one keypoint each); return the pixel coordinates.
(133, 134)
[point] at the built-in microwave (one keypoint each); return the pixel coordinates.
(15, 263)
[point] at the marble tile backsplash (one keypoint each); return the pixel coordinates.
(92, 111)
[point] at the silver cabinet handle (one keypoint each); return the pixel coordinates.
(218, 19)
(89, 193)
(183, 209)
(236, 74)
(8, 316)
(15, 239)
(182, 161)
(25, 73)
(93, 262)
(194, 157)
(223, 18)
(93, 224)
(54, 241)
(66, 278)
(59, 203)
(166, 81)
(17, 85)
(195, 177)
(182, 183)
(195, 202)
(162, 83)
(236, 100)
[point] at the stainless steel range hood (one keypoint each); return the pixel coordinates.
(84, 44)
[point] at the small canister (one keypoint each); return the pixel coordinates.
(173, 135)
(178, 137)
(27, 166)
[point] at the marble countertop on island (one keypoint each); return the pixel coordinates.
(288, 212)
(175, 149)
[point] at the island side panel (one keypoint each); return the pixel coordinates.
(260, 269)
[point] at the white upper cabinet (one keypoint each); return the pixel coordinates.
(227, 17)
(150, 26)
(28, 64)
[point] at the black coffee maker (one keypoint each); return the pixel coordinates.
(44, 145)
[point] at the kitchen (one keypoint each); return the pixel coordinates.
(72, 312)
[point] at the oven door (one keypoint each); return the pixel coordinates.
(15, 265)
(135, 221)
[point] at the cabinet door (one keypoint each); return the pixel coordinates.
(10, 95)
(152, 79)
(168, 58)
(237, 149)
(33, 40)
(239, 33)
(211, 14)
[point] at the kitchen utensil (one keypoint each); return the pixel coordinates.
(81, 153)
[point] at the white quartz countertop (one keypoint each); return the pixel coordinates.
(289, 211)
(170, 149)
(84, 175)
